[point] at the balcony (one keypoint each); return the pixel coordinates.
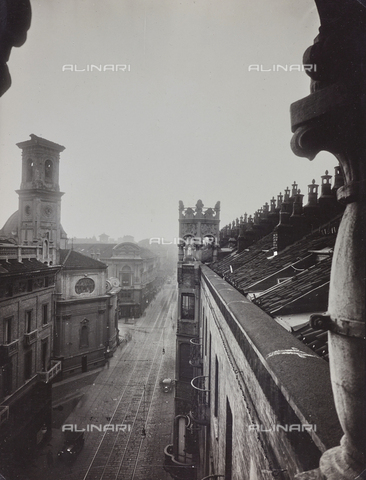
(9, 349)
(200, 412)
(4, 413)
(30, 337)
(51, 373)
(178, 470)
(195, 357)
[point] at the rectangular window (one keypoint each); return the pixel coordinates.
(29, 285)
(45, 314)
(187, 306)
(28, 365)
(209, 360)
(216, 409)
(28, 321)
(206, 336)
(8, 330)
(229, 442)
(44, 351)
(125, 279)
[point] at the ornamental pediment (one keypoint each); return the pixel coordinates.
(126, 250)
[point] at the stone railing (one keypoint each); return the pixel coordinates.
(51, 373)
(9, 349)
(30, 337)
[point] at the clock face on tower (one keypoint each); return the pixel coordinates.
(48, 210)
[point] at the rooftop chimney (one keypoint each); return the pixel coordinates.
(297, 219)
(326, 188)
(294, 190)
(297, 205)
(282, 233)
(279, 202)
(312, 195)
(273, 215)
(338, 178)
(249, 234)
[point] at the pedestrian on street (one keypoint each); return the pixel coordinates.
(106, 357)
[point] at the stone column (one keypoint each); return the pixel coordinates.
(333, 118)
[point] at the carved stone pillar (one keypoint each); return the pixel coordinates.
(333, 118)
(15, 21)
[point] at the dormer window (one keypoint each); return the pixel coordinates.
(48, 170)
(30, 169)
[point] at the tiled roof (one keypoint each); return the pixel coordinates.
(72, 259)
(306, 288)
(26, 266)
(258, 261)
(280, 298)
(236, 260)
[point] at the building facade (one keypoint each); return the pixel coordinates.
(40, 280)
(27, 367)
(136, 268)
(29, 244)
(249, 404)
(86, 329)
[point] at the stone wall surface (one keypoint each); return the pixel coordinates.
(272, 382)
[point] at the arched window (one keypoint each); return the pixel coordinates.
(125, 276)
(48, 170)
(30, 169)
(84, 336)
(45, 249)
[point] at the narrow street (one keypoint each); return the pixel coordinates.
(127, 396)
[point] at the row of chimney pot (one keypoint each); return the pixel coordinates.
(289, 209)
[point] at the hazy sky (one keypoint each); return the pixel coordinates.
(188, 121)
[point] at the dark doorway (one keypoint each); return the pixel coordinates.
(84, 363)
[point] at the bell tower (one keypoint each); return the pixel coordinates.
(40, 197)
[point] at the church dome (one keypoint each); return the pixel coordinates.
(10, 229)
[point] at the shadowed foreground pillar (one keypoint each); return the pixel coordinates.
(333, 118)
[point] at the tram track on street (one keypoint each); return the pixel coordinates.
(117, 455)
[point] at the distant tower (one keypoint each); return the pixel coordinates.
(40, 198)
(198, 234)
